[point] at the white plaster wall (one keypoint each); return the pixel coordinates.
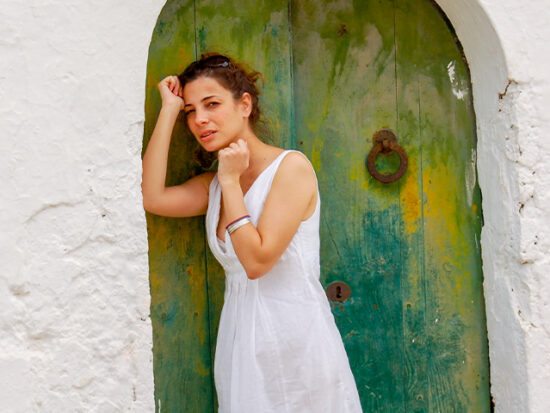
(75, 333)
(507, 44)
(74, 328)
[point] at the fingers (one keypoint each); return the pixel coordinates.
(240, 145)
(235, 150)
(243, 144)
(236, 147)
(172, 83)
(233, 161)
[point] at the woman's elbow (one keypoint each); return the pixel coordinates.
(151, 205)
(147, 198)
(254, 274)
(258, 270)
(148, 205)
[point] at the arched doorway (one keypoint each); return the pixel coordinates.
(335, 73)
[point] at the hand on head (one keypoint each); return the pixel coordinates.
(233, 161)
(171, 91)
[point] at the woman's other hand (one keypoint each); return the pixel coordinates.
(171, 92)
(291, 200)
(232, 162)
(185, 200)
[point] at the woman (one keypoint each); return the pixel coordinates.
(278, 348)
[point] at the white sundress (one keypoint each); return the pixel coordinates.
(278, 348)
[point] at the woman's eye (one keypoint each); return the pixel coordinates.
(187, 113)
(212, 104)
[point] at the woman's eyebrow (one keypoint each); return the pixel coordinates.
(202, 100)
(208, 97)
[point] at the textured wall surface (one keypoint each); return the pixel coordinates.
(507, 44)
(75, 333)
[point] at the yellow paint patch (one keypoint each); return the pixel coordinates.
(156, 281)
(440, 206)
(445, 242)
(357, 173)
(316, 154)
(410, 204)
(198, 296)
(201, 369)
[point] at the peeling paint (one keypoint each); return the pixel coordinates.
(458, 89)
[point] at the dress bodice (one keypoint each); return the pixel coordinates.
(254, 199)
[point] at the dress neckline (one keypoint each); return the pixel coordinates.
(218, 211)
(262, 172)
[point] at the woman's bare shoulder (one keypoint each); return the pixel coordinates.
(294, 189)
(297, 162)
(295, 169)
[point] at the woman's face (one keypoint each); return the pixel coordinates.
(214, 117)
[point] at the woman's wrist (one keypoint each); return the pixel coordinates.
(172, 109)
(230, 183)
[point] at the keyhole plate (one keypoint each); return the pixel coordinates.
(338, 291)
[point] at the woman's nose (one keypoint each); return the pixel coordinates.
(200, 118)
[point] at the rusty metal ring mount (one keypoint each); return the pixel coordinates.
(385, 141)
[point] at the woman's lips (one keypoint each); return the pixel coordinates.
(207, 135)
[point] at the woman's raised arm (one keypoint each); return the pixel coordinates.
(188, 199)
(292, 199)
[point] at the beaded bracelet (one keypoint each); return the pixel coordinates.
(239, 222)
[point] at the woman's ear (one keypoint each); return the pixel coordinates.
(246, 104)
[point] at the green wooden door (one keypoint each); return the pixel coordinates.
(414, 326)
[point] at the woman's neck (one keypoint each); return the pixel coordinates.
(261, 154)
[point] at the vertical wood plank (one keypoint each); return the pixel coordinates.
(344, 87)
(412, 254)
(457, 360)
(258, 34)
(179, 307)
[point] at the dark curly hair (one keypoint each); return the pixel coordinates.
(230, 74)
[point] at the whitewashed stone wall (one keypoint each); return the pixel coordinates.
(507, 43)
(75, 333)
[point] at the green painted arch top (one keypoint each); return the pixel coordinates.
(335, 73)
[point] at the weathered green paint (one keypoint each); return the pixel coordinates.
(179, 303)
(345, 66)
(414, 327)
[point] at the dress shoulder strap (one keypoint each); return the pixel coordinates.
(274, 167)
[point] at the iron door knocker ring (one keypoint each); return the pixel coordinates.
(385, 142)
